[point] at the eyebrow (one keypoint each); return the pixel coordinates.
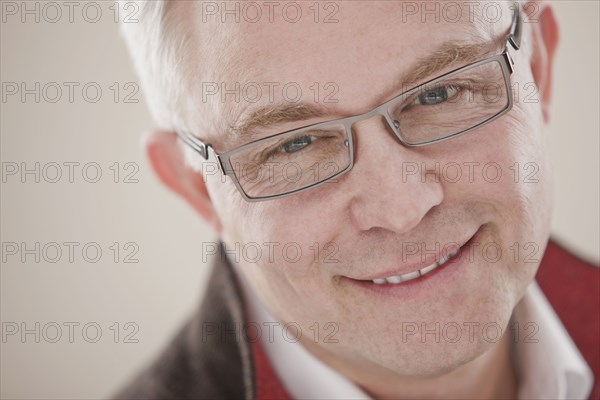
(266, 116)
(447, 55)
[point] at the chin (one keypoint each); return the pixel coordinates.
(436, 338)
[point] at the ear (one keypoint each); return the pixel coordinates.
(166, 158)
(544, 41)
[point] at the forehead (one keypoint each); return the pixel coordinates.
(359, 46)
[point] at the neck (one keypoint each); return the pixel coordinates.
(490, 376)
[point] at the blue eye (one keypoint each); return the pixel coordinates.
(297, 144)
(437, 95)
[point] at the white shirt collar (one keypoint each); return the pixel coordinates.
(550, 368)
(550, 365)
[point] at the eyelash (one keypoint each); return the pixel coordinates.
(412, 101)
(270, 152)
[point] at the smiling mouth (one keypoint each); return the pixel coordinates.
(399, 279)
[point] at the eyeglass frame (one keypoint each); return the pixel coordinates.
(505, 59)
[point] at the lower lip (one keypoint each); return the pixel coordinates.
(445, 274)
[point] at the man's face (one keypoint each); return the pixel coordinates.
(320, 249)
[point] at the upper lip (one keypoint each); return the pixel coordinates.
(429, 259)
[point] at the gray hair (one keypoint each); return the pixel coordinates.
(156, 41)
(160, 44)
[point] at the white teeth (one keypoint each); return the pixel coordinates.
(429, 269)
(415, 274)
(443, 260)
(410, 276)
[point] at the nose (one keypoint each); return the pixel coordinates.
(380, 191)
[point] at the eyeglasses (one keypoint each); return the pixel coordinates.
(446, 107)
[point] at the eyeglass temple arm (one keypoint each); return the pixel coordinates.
(194, 143)
(515, 30)
(514, 38)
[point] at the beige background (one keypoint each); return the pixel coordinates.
(164, 286)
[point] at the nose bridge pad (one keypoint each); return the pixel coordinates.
(389, 123)
(394, 126)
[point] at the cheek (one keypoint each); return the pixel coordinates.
(513, 177)
(526, 185)
(504, 163)
(291, 228)
(290, 233)
(280, 244)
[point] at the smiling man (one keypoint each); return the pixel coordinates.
(378, 176)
